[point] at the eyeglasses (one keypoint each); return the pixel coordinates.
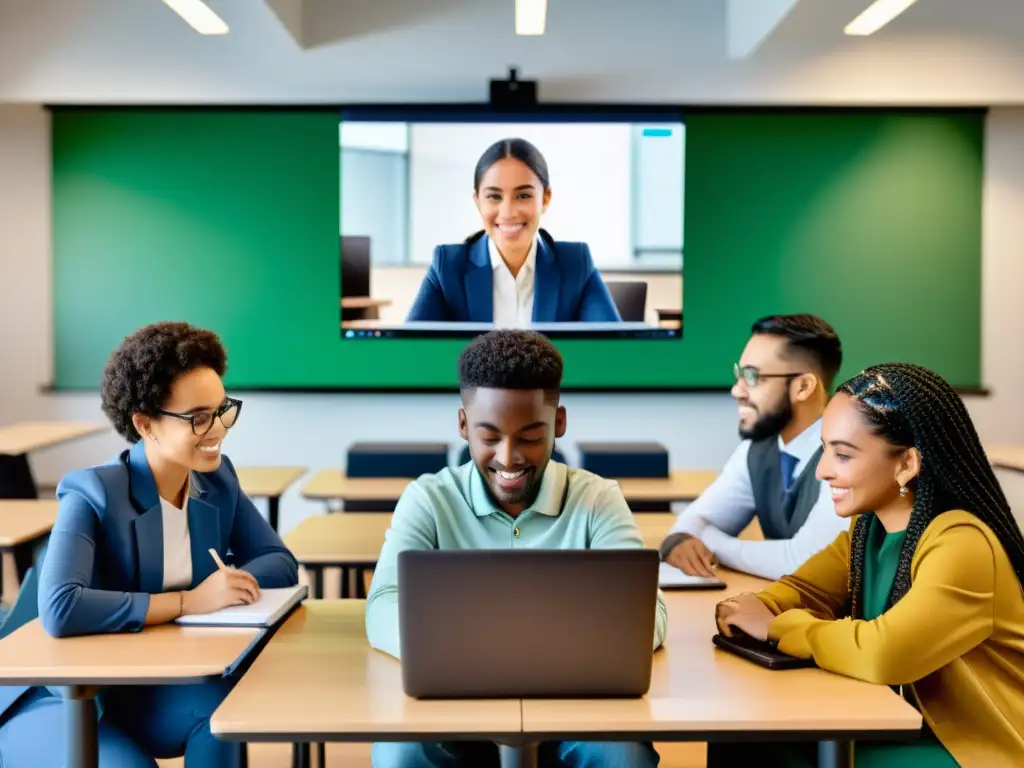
(752, 376)
(202, 421)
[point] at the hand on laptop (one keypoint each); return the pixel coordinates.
(744, 612)
(692, 558)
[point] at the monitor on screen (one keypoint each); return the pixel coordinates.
(596, 252)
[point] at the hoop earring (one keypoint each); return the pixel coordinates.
(903, 491)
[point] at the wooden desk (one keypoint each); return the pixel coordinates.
(680, 485)
(363, 302)
(27, 436)
(24, 523)
(1007, 457)
(269, 483)
(351, 542)
(337, 688)
(162, 655)
(330, 484)
(699, 693)
(18, 440)
(654, 527)
(361, 308)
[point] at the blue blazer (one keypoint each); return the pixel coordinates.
(459, 286)
(105, 554)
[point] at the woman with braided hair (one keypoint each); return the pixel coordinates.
(924, 592)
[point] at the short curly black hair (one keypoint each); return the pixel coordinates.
(511, 359)
(141, 371)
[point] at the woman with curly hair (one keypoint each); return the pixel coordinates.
(923, 593)
(130, 548)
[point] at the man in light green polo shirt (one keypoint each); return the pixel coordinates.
(511, 495)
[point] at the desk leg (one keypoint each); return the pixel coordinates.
(273, 510)
(24, 554)
(318, 582)
(82, 745)
(345, 586)
(835, 754)
(16, 481)
(300, 755)
(522, 756)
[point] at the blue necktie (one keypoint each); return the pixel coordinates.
(788, 463)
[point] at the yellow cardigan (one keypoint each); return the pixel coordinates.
(957, 636)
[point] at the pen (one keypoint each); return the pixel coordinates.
(217, 560)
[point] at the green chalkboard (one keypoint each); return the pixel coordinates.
(229, 219)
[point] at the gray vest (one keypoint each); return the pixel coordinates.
(781, 514)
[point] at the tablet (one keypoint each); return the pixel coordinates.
(761, 653)
(670, 577)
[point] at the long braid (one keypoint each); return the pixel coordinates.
(913, 407)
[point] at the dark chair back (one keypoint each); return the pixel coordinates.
(630, 297)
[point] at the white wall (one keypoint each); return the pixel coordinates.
(25, 301)
(699, 430)
(1002, 417)
(590, 169)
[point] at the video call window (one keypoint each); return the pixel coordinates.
(576, 230)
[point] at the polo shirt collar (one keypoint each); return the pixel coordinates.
(548, 501)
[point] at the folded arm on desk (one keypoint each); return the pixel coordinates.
(946, 612)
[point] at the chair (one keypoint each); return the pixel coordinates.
(26, 605)
(630, 297)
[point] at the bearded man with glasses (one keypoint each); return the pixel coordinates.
(783, 380)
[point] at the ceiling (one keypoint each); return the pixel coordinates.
(336, 51)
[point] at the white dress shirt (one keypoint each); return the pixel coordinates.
(727, 507)
(513, 296)
(177, 545)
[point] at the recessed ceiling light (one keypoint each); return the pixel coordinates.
(876, 16)
(531, 16)
(199, 16)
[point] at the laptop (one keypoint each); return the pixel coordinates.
(527, 623)
(761, 653)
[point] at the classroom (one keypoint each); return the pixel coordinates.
(297, 177)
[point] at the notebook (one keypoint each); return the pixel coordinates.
(265, 612)
(670, 577)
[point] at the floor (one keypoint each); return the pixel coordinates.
(358, 756)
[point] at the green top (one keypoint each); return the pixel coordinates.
(881, 556)
(452, 509)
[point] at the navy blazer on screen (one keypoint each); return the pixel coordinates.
(105, 554)
(459, 286)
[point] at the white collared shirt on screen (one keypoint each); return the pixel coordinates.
(513, 296)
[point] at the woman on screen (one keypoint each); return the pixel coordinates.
(513, 273)
(924, 592)
(131, 547)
